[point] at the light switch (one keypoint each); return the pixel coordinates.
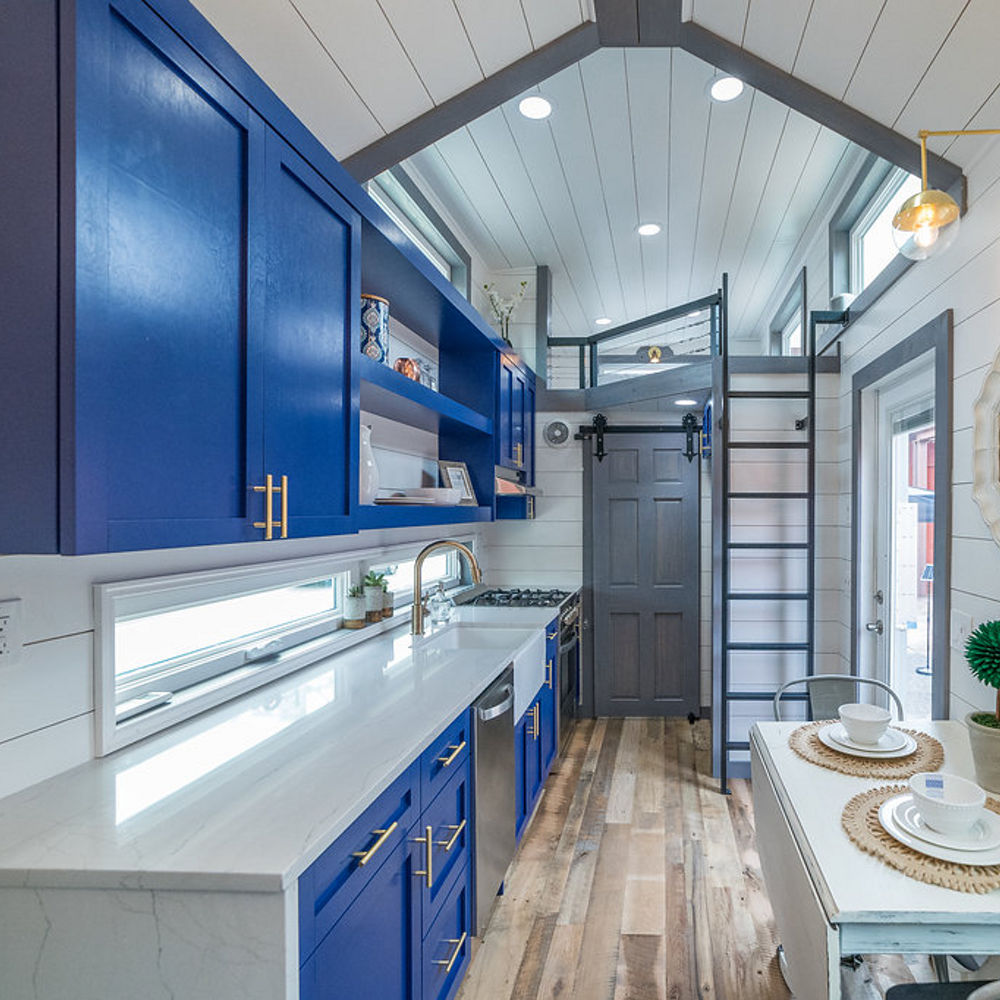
(961, 629)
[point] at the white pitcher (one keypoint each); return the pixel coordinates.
(368, 470)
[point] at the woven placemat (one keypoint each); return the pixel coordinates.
(861, 824)
(928, 756)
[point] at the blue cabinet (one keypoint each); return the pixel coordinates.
(386, 911)
(516, 418)
(548, 701)
(217, 279)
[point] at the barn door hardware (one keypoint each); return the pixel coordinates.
(690, 426)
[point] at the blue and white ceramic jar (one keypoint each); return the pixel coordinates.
(375, 328)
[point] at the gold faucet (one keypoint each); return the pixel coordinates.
(417, 617)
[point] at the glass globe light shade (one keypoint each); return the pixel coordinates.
(926, 224)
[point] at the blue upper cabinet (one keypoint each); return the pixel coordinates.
(516, 418)
(309, 332)
(167, 384)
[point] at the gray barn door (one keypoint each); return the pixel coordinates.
(645, 576)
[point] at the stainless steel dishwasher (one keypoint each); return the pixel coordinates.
(494, 792)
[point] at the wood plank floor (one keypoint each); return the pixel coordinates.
(637, 880)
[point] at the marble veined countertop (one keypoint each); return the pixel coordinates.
(246, 797)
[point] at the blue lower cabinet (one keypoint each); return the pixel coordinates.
(374, 949)
(520, 798)
(447, 946)
(547, 730)
(447, 821)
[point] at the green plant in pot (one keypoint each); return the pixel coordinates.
(982, 651)
(354, 608)
(374, 595)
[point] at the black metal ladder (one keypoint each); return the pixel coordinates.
(723, 593)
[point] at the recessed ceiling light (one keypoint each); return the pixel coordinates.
(649, 229)
(685, 402)
(602, 321)
(725, 88)
(535, 107)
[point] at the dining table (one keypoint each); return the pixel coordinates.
(831, 899)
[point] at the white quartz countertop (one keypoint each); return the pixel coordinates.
(246, 797)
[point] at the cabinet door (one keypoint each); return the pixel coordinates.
(547, 727)
(505, 415)
(374, 949)
(163, 398)
(520, 791)
(529, 429)
(517, 418)
(532, 756)
(308, 338)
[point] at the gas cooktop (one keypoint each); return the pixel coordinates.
(520, 597)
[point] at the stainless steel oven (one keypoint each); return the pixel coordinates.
(570, 681)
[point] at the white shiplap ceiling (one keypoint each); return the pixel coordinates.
(634, 137)
(354, 70)
(909, 64)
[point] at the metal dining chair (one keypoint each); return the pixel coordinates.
(945, 991)
(827, 692)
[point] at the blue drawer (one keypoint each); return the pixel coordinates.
(336, 877)
(450, 752)
(449, 817)
(447, 944)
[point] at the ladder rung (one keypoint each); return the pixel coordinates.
(768, 545)
(770, 595)
(738, 745)
(768, 496)
(764, 696)
(767, 394)
(759, 647)
(762, 445)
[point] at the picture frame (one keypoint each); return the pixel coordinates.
(455, 475)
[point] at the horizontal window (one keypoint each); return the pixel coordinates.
(872, 246)
(442, 567)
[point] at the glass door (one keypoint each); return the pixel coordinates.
(895, 608)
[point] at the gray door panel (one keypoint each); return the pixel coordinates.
(646, 576)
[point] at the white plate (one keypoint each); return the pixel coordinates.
(971, 858)
(890, 741)
(827, 740)
(406, 501)
(984, 836)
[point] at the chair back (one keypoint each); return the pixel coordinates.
(827, 692)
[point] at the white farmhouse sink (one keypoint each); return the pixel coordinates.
(525, 648)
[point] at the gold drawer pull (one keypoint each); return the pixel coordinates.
(519, 453)
(534, 721)
(450, 843)
(449, 759)
(548, 674)
(268, 490)
(552, 635)
(284, 506)
(428, 871)
(538, 724)
(449, 962)
(383, 836)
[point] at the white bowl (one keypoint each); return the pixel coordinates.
(949, 804)
(864, 723)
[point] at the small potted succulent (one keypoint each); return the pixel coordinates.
(982, 651)
(354, 608)
(374, 596)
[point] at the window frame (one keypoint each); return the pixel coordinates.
(884, 195)
(791, 311)
(225, 673)
(399, 197)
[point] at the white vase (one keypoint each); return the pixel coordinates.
(367, 469)
(354, 612)
(985, 744)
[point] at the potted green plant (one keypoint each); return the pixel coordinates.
(354, 608)
(982, 651)
(388, 600)
(374, 595)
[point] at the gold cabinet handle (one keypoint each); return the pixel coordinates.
(538, 725)
(383, 836)
(534, 721)
(449, 962)
(427, 873)
(552, 635)
(548, 674)
(456, 833)
(531, 508)
(519, 453)
(449, 759)
(268, 490)
(284, 506)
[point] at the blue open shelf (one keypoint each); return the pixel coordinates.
(378, 516)
(392, 395)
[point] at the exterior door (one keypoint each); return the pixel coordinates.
(646, 577)
(898, 534)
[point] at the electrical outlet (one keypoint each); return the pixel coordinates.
(11, 635)
(961, 629)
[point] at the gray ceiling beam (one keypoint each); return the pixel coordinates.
(628, 23)
(818, 106)
(467, 106)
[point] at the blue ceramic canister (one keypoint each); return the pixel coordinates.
(375, 328)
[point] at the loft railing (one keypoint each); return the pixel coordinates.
(682, 335)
